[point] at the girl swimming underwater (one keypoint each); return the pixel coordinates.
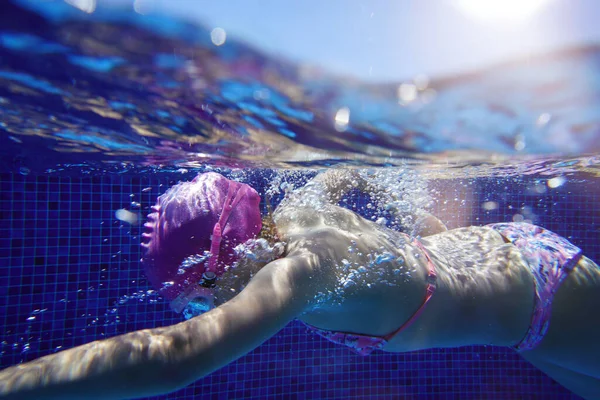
(351, 280)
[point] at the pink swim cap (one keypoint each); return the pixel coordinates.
(210, 213)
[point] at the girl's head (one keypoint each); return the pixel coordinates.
(191, 236)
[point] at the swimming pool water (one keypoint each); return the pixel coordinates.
(91, 123)
(71, 275)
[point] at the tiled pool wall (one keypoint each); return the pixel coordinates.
(70, 274)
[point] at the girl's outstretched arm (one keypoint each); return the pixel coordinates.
(161, 360)
(335, 183)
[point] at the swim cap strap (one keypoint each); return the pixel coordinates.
(217, 234)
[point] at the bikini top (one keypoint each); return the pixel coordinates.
(365, 344)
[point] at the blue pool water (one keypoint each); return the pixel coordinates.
(106, 111)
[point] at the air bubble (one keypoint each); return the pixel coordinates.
(348, 283)
(385, 257)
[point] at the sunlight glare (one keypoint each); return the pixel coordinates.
(514, 10)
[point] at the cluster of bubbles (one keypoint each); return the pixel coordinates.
(354, 274)
(256, 251)
(193, 260)
(398, 198)
(111, 316)
(251, 256)
(402, 194)
(259, 251)
(141, 296)
(24, 343)
(287, 179)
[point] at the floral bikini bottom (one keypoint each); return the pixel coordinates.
(550, 258)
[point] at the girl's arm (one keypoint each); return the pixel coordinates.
(155, 361)
(335, 183)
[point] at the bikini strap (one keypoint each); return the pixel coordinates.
(431, 286)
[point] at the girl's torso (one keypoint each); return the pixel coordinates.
(480, 274)
(379, 277)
